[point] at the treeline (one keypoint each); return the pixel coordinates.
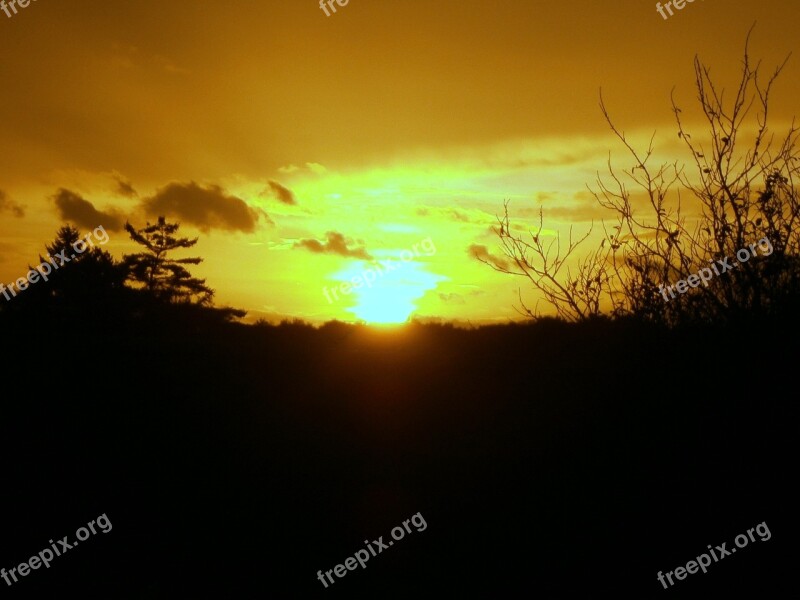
(78, 281)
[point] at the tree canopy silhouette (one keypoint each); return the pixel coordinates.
(74, 278)
(85, 270)
(163, 277)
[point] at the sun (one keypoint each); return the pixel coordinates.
(391, 297)
(386, 305)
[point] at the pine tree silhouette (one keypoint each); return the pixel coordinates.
(166, 279)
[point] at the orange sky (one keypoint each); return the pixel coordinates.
(301, 147)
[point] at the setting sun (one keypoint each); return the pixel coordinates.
(386, 291)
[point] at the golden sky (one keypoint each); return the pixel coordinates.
(302, 148)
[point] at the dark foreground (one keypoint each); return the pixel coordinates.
(548, 461)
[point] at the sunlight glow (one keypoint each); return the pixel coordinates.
(391, 298)
(386, 304)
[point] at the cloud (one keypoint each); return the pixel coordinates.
(71, 207)
(6, 204)
(336, 244)
(449, 214)
(124, 187)
(582, 207)
(315, 168)
(280, 192)
(459, 216)
(205, 207)
(481, 253)
(545, 196)
(452, 298)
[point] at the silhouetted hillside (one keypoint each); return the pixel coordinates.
(549, 460)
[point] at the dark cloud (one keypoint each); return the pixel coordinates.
(481, 253)
(81, 212)
(124, 187)
(336, 244)
(280, 192)
(6, 204)
(205, 207)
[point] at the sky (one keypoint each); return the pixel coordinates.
(373, 147)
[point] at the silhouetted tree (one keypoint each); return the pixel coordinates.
(739, 196)
(75, 279)
(66, 237)
(81, 264)
(574, 291)
(165, 278)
